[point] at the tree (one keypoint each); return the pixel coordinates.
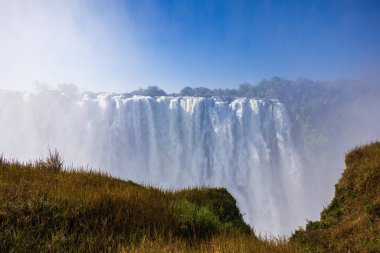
(151, 91)
(187, 91)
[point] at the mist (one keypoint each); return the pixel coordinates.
(292, 151)
(352, 120)
(67, 42)
(118, 46)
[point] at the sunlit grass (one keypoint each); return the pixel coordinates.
(46, 208)
(351, 223)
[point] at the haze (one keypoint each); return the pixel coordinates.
(119, 46)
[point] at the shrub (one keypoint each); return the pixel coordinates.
(53, 161)
(207, 222)
(192, 220)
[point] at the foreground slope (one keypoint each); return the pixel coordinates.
(351, 223)
(46, 209)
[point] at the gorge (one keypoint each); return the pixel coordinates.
(247, 145)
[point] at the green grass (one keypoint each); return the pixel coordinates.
(46, 209)
(351, 223)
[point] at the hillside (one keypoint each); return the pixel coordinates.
(45, 208)
(351, 223)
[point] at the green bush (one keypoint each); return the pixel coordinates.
(194, 221)
(220, 202)
(207, 222)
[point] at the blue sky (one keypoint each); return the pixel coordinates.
(118, 46)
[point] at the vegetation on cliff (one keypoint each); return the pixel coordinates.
(351, 223)
(45, 208)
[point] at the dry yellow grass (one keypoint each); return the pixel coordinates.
(351, 223)
(45, 209)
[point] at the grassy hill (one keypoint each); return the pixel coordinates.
(44, 208)
(351, 223)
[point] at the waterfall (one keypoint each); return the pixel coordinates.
(241, 144)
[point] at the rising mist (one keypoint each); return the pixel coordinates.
(277, 146)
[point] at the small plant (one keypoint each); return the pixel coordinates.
(206, 222)
(53, 161)
(193, 220)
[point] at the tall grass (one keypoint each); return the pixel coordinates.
(351, 223)
(46, 208)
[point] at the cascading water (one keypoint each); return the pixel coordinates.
(174, 142)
